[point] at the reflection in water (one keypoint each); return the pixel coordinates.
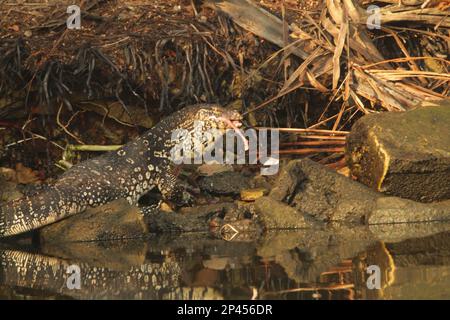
(309, 264)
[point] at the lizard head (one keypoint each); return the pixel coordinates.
(203, 124)
(212, 117)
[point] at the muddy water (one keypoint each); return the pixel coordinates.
(326, 263)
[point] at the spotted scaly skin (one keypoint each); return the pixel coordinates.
(149, 280)
(129, 173)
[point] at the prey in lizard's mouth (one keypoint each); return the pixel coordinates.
(230, 123)
(229, 118)
(217, 117)
(235, 123)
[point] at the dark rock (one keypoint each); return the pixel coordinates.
(395, 232)
(397, 210)
(189, 219)
(224, 183)
(321, 193)
(325, 195)
(273, 214)
(403, 154)
(116, 220)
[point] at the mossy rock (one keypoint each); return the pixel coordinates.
(403, 154)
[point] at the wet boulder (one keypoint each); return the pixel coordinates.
(398, 210)
(403, 154)
(115, 220)
(394, 232)
(273, 214)
(320, 193)
(188, 219)
(224, 183)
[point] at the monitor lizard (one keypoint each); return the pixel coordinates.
(129, 172)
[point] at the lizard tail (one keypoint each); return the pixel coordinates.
(29, 213)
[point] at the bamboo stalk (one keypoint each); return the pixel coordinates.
(93, 147)
(312, 143)
(341, 138)
(329, 287)
(311, 151)
(305, 130)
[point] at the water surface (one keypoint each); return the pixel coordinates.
(327, 263)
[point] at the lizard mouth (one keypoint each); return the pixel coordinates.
(235, 124)
(230, 123)
(232, 119)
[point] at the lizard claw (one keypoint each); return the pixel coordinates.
(180, 198)
(187, 199)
